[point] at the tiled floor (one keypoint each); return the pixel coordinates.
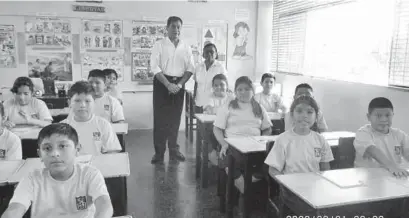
(170, 190)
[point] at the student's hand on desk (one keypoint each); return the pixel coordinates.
(398, 172)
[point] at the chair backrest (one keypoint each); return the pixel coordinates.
(346, 153)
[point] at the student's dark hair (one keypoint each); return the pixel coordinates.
(22, 81)
(303, 99)
(379, 102)
(108, 72)
(60, 129)
(303, 85)
(172, 19)
(254, 104)
(1, 109)
(267, 75)
(237, 26)
(222, 77)
(97, 73)
(80, 87)
(208, 45)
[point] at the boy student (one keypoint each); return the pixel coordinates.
(63, 188)
(106, 106)
(378, 144)
(269, 100)
(10, 143)
(320, 125)
(112, 84)
(96, 134)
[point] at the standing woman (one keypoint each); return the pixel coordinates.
(24, 109)
(172, 64)
(204, 74)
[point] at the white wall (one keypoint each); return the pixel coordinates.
(138, 105)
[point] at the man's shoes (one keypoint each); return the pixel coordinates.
(176, 156)
(157, 159)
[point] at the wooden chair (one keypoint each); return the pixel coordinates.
(346, 153)
(273, 189)
(190, 121)
(278, 127)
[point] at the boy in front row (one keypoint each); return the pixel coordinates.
(378, 144)
(96, 134)
(63, 188)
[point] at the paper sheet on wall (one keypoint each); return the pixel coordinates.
(103, 60)
(48, 32)
(141, 70)
(8, 53)
(50, 65)
(101, 34)
(242, 14)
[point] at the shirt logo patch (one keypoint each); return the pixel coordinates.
(106, 107)
(97, 136)
(317, 152)
(2, 153)
(398, 150)
(81, 203)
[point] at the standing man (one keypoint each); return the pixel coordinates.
(172, 64)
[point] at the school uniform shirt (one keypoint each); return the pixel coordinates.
(204, 79)
(36, 108)
(294, 153)
(321, 123)
(74, 197)
(242, 121)
(116, 93)
(10, 146)
(271, 102)
(217, 102)
(391, 144)
(171, 60)
(109, 108)
(95, 135)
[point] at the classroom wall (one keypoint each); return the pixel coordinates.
(138, 102)
(345, 104)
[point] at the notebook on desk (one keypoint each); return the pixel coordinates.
(346, 179)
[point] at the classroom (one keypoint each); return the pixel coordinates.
(204, 108)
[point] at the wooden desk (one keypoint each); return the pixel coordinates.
(205, 129)
(114, 167)
(377, 193)
(121, 129)
(55, 102)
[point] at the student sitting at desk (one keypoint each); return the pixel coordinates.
(10, 143)
(378, 144)
(204, 74)
(112, 85)
(270, 101)
(63, 188)
(320, 125)
(96, 134)
(299, 149)
(242, 117)
(220, 95)
(106, 106)
(23, 109)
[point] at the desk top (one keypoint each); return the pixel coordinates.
(205, 118)
(247, 144)
(8, 168)
(337, 135)
(274, 116)
(120, 128)
(110, 165)
(56, 112)
(377, 186)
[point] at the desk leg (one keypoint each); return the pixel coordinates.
(281, 205)
(198, 149)
(230, 187)
(121, 139)
(247, 185)
(205, 155)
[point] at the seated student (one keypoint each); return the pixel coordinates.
(64, 188)
(96, 134)
(378, 144)
(320, 125)
(270, 101)
(24, 109)
(106, 106)
(241, 117)
(10, 143)
(204, 74)
(300, 150)
(112, 85)
(219, 96)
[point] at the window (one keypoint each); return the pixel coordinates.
(343, 40)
